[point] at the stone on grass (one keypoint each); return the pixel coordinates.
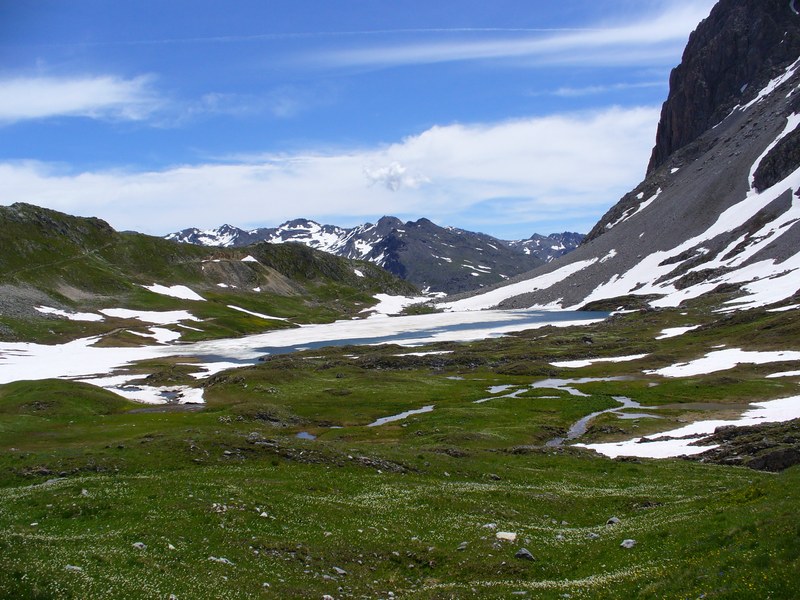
(613, 521)
(524, 554)
(220, 559)
(592, 536)
(73, 568)
(339, 571)
(506, 536)
(462, 546)
(139, 546)
(627, 543)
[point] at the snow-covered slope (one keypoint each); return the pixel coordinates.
(722, 213)
(439, 259)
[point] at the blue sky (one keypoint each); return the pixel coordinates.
(509, 117)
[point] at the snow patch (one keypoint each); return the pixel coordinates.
(392, 305)
(169, 317)
(256, 314)
(577, 364)
(46, 310)
(671, 332)
(678, 442)
(494, 297)
(722, 360)
(175, 291)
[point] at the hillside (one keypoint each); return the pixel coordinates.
(57, 267)
(718, 210)
(434, 258)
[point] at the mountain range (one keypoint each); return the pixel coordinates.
(435, 259)
(718, 212)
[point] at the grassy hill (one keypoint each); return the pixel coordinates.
(77, 265)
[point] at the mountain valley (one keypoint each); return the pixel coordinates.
(294, 413)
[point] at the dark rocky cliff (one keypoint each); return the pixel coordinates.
(733, 52)
(718, 209)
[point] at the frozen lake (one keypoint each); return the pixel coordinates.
(81, 359)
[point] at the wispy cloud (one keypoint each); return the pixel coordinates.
(594, 90)
(280, 102)
(97, 97)
(112, 98)
(659, 35)
(528, 170)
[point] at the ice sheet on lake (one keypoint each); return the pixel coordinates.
(82, 359)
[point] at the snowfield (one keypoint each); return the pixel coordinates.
(681, 441)
(722, 360)
(175, 291)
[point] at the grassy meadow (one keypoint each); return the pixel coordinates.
(104, 498)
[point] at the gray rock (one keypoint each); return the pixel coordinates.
(462, 546)
(627, 544)
(339, 571)
(73, 569)
(139, 546)
(220, 559)
(592, 536)
(524, 554)
(613, 521)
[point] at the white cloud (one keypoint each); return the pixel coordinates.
(535, 171)
(657, 37)
(98, 97)
(394, 177)
(591, 90)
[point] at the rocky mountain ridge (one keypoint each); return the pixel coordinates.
(434, 258)
(715, 213)
(741, 46)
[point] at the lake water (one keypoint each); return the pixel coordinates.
(406, 331)
(82, 359)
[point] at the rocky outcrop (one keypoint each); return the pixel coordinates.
(728, 59)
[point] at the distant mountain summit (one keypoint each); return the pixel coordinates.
(718, 212)
(434, 258)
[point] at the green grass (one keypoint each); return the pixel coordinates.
(391, 505)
